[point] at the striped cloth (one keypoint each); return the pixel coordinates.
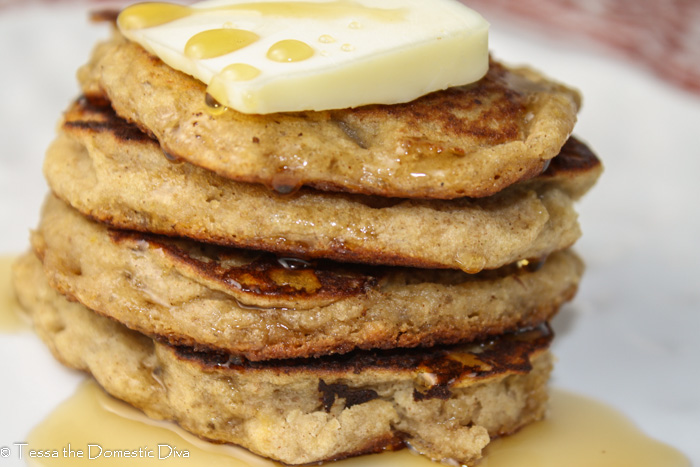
(664, 35)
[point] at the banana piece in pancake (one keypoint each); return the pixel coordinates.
(446, 403)
(471, 141)
(256, 305)
(112, 172)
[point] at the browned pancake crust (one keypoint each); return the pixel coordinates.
(576, 166)
(472, 140)
(445, 402)
(447, 366)
(261, 307)
(113, 173)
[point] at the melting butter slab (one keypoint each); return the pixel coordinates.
(280, 56)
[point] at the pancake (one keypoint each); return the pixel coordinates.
(446, 403)
(471, 141)
(111, 172)
(263, 307)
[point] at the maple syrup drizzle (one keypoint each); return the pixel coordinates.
(217, 42)
(578, 432)
(151, 14)
(213, 106)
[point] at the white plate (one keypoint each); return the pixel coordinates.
(632, 336)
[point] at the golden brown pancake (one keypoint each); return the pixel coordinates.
(472, 140)
(263, 307)
(444, 402)
(112, 172)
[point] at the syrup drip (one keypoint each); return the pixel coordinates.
(213, 106)
(171, 158)
(246, 306)
(285, 184)
(531, 265)
(11, 317)
(294, 263)
(471, 264)
(217, 86)
(579, 432)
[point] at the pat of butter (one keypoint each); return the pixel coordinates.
(259, 56)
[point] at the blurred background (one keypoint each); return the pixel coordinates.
(630, 338)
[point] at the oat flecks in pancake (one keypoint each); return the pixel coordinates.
(117, 165)
(445, 403)
(472, 141)
(252, 305)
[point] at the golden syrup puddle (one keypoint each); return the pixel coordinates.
(11, 318)
(578, 432)
(581, 432)
(92, 428)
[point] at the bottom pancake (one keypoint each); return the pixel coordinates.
(445, 402)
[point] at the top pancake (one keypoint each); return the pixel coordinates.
(471, 140)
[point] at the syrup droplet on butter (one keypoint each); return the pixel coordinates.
(290, 50)
(579, 432)
(151, 14)
(240, 72)
(446, 45)
(11, 317)
(148, 15)
(216, 42)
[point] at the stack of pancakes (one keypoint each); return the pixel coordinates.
(311, 285)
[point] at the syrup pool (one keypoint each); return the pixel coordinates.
(11, 318)
(578, 432)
